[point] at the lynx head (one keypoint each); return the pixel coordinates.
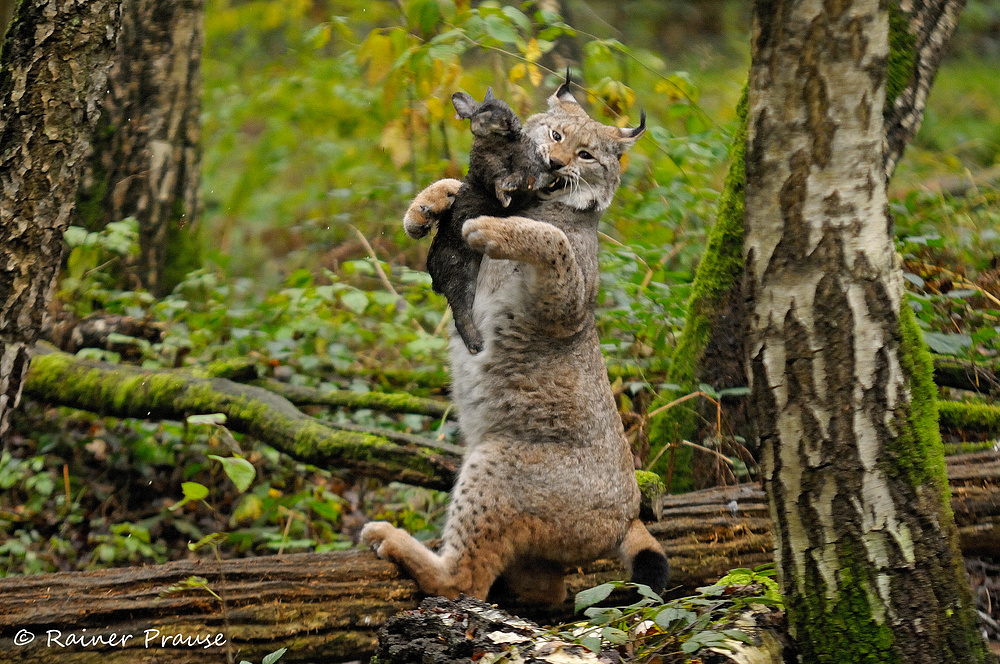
(583, 152)
(492, 117)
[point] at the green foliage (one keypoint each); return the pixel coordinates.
(650, 629)
(93, 265)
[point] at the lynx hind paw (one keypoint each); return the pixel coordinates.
(428, 206)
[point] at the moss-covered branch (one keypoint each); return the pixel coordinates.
(381, 401)
(126, 391)
(963, 416)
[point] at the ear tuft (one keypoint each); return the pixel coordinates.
(465, 105)
(564, 97)
(489, 95)
(630, 134)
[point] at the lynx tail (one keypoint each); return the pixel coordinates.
(644, 557)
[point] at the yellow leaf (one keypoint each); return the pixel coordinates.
(517, 72)
(396, 142)
(376, 51)
(435, 108)
(534, 75)
(532, 52)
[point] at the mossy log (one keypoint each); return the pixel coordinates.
(380, 401)
(970, 417)
(327, 607)
(964, 375)
(127, 391)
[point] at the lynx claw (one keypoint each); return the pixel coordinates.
(375, 534)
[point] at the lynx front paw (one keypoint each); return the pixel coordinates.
(485, 234)
(428, 206)
(377, 535)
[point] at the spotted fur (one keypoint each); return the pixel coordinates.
(547, 480)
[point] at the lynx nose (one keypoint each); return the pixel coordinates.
(555, 162)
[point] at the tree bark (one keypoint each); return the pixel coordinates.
(715, 327)
(921, 33)
(54, 68)
(331, 605)
(128, 391)
(7, 8)
(146, 165)
(853, 466)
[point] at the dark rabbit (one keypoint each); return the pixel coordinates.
(505, 171)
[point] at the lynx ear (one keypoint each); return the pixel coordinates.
(489, 95)
(564, 99)
(465, 105)
(627, 135)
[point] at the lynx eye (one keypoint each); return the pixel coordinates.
(583, 154)
(556, 136)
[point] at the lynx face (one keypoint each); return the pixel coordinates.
(583, 152)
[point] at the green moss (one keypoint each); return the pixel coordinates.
(917, 453)
(975, 416)
(721, 268)
(902, 54)
(844, 631)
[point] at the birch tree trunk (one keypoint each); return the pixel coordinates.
(853, 465)
(146, 160)
(715, 328)
(54, 69)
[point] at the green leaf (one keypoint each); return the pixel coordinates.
(239, 470)
(499, 29)
(191, 491)
(274, 656)
(672, 614)
(209, 418)
(602, 615)
(738, 636)
(591, 642)
(614, 635)
(646, 591)
(518, 17)
(354, 300)
(592, 596)
(947, 344)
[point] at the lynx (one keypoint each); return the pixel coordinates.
(547, 480)
(504, 168)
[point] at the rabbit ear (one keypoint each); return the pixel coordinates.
(489, 95)
(465, 105)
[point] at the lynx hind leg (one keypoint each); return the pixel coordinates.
(644, 557)
(428, 206)
(536, 581)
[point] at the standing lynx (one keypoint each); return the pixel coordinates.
(547, 480)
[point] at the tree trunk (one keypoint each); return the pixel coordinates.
(330, 605)
(716, 326)
(55, 61)
(7, 8)
(146, 165)
(853, 465)
(920, 34)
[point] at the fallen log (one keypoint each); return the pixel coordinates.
(129, 391)
(327, 607)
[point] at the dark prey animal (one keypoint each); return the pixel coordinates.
(505, 171)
